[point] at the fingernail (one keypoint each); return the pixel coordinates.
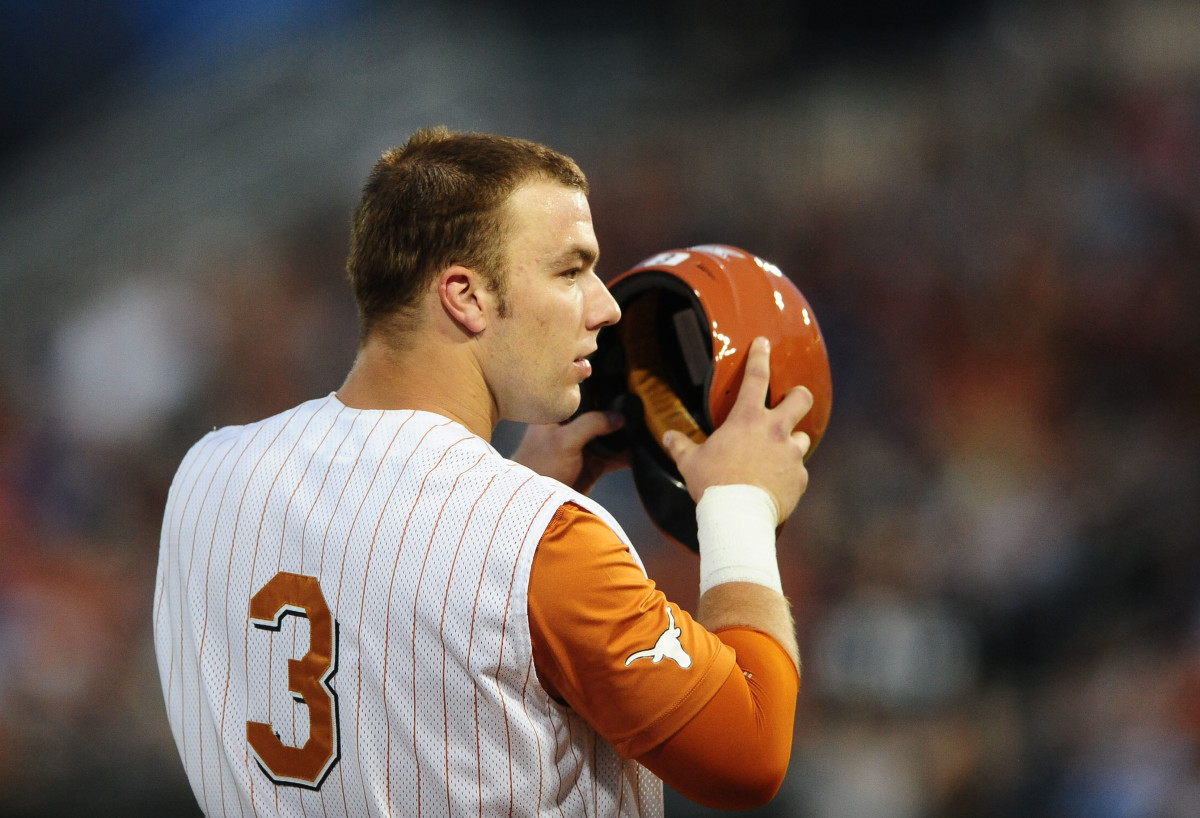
(615, 419)
(667, 438)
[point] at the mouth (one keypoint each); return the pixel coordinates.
(582, 365)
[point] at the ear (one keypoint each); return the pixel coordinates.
(464, 298)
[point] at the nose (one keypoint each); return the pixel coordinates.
(602, 307)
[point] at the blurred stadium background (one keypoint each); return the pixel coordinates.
(994, 208)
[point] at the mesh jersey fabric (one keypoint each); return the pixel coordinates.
(417, 538)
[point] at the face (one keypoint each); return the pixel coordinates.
(536, 355)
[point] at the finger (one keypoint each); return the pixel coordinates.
(757, 378)
(803, 441)
(678, 445)
(582, 430)
(795, 405)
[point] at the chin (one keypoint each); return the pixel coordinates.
(572, 405)
(564, 410)
(544, 408)
(544, 415)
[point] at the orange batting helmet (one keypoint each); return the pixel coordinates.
(676, 359)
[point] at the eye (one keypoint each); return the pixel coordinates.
(572, 274)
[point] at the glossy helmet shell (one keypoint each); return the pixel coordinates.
(677, 358)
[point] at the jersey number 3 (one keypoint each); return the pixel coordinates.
(308, 680)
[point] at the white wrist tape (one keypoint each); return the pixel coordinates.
(736, 528)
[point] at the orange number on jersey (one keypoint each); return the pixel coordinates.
(308, 680)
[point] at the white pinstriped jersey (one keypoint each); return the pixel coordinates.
(341, 626)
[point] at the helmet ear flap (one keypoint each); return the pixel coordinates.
(665, 497)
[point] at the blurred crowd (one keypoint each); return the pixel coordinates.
(995, 570)
(1001, 548)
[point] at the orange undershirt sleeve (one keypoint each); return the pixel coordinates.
(609, 644)
(718, 731)
(734, 754)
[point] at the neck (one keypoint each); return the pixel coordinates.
(428, 374)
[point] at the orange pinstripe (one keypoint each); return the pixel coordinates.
(435, 696)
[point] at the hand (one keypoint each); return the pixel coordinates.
(559, 450)
(754, 445)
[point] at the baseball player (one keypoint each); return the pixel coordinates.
(363, 609)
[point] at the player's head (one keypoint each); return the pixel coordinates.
(436, 201)
(534, 358)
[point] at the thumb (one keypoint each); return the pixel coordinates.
(677, 444)
(590, 425)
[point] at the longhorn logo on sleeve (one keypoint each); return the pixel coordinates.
(668, 646)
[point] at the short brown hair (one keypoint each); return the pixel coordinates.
(434, 202)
